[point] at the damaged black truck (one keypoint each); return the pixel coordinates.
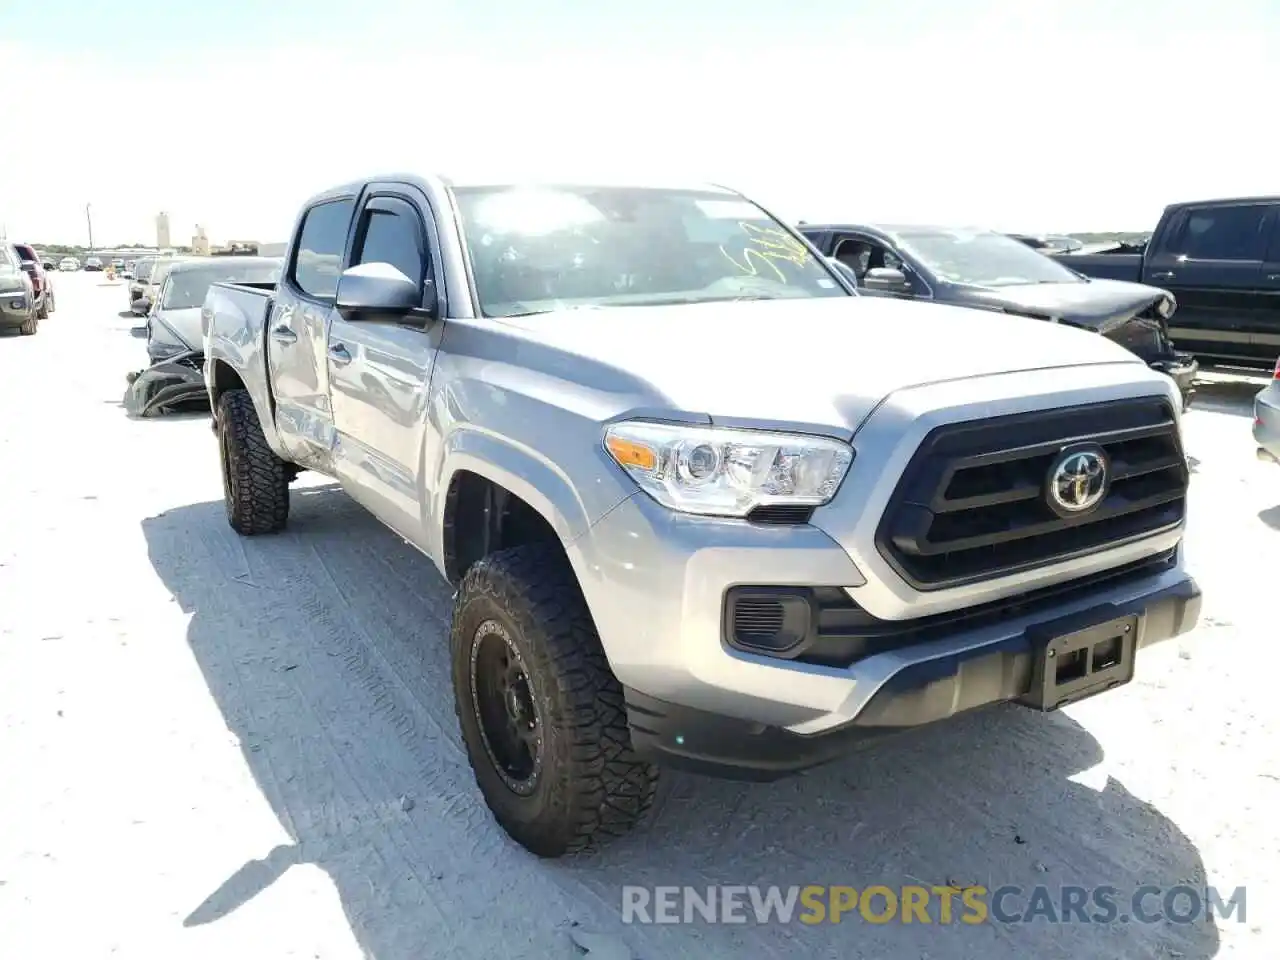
(986, 270)
(1221, 259)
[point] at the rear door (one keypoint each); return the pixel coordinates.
(1211, 258)
(379, 367)
(297, 332)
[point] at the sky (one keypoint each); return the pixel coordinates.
(1036, 115)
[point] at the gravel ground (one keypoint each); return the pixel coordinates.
(215, 747)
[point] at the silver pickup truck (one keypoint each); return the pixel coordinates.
(703, 504)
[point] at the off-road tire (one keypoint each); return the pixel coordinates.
(255, 481)
(592, 787)
(30, 325)
(42, 312)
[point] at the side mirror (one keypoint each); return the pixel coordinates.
(29, 264)
(377, 288)
(886, 280)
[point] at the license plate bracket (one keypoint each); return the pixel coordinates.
(1074, 666)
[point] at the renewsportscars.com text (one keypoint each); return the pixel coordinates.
(815, 904)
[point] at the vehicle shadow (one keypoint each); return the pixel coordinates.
(1271, 517)
(325, 648)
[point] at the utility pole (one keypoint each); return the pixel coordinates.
(89, 220)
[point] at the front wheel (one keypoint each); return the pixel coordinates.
(541, 714)
(255, 481)
(31, 324)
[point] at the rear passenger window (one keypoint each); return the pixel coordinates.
(1225, 233)
(395, 239)
(323, 241)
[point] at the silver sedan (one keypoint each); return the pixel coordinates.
(1266, 419)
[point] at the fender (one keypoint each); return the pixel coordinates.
(524, 473)
(248, 362)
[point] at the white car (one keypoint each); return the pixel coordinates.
(68, 264)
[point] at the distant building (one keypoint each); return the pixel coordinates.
(200, 242)
(162, 230)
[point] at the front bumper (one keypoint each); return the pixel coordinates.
(914, 686)
(15, 309)
(657, 586)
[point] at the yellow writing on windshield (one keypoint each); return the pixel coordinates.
(767, 247)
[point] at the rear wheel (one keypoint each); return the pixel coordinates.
(541, 714)
(255, 482)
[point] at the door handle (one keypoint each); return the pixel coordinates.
(1163, 275)
(283, 334)
(339, 355)
(1273, 276)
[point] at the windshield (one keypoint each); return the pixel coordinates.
(538, 249)
(982, 259)
(187, 288)
(161, 270)
(142, 269)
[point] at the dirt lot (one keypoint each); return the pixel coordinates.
(221, 748)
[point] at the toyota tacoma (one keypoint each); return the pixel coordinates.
(703, 505)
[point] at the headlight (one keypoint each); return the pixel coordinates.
(727, 473)
(1166, 306)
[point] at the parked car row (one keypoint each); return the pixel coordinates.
(709, 498)
(21, 307)
(26, 291)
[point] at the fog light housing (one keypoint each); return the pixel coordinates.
(768, 620)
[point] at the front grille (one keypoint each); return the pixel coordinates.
(972, 503)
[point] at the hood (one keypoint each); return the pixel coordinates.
(1098, 305)
(182, 325)
(823, 361)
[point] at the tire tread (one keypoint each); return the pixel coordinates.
(606, 788)
(258, 496)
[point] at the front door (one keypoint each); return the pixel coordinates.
(297, 331)
(379, 367)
